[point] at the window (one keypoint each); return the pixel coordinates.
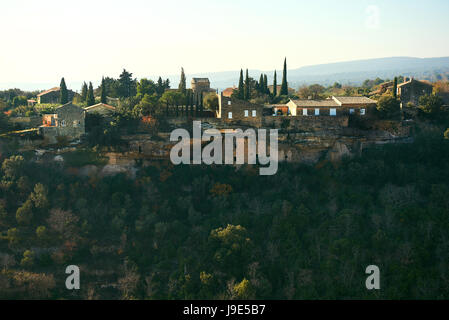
(351, 111)
(62, 123)
(254, 113)
(304, 112)
(317, 112)
(246, 113)
(362, 112)
(229, 115)
(333, 112)
(229, 102)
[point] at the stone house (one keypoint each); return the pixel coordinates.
(67, 121)
(52, 95)
(335, 106)
(102, 109)
(200, 86)
(239, 111)
(412, 90)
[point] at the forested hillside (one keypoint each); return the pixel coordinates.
(192, 232)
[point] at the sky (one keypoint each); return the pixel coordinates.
(42, 41)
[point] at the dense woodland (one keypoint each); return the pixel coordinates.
(218, 232)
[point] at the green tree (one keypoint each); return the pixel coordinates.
(388, 106)
(395, 87)
(446, 134)
(265, 84)
(146, 87)
(275, 85)
(24, 214)
(211, 101)
(241, 88)
(12, 167)
(261, 84)
(147, 106)
(28, 259)
(247, 90)
(84, 92)
(284, 85)
(103, 91)
(90, 99)
(182, 83)
(39, 196)
(63, 93)
(430, 104)
(126, 85)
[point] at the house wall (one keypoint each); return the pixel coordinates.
(70, 124)
(238, 107)
(53, 97)
(412, 91)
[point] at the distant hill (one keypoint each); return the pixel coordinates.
(350, 72)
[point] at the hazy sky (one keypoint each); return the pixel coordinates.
(83, 40)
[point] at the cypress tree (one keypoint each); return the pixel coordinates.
(84, 92)
(103, 91)
(241, 89)
(275, 85)
(182, 82)
(284, 86)
(265, 84)
(247, 87)
(261, 84)
(395, 87)
(90, 100)
(63, 94)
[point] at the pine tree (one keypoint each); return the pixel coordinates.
(103, 91)
(241, 89)
(182, 83)
(284, 86)
(84, 92)
(90, 100)
(395, 87)
(261, 84)
(160, 86)
(63, 94)
(275, 85)
(247, 87)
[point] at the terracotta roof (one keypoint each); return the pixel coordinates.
(315, 103)
(353, 100)
(228, 91)
(48, 91)
(107, 106)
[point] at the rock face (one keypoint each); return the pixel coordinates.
(301, 139)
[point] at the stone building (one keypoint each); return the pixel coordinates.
(412, 90)
(52, 95)
(67, 121)
(239, 111)
(335, 106)
(200, 86)
(102, 109)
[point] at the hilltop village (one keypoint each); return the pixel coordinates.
(130, 120)
(86, 180)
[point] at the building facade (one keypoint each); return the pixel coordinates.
(412, 90)
(52, 95)
(335, 106)
(239, 111)
(67, 121)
